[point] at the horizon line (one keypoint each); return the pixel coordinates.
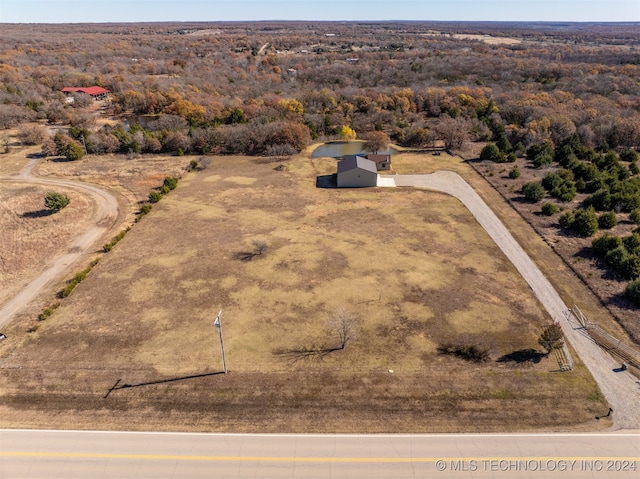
(133, 22)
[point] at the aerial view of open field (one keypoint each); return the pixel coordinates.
(340, 317)
(344, 310)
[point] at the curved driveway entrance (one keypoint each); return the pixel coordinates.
(104, 216)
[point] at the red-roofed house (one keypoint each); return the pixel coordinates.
(96, 92)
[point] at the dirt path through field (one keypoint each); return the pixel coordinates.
(105, 215)
(621, 389)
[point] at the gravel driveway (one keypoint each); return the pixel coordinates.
(105, 215)
(621, 389)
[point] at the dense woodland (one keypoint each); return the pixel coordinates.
(564, 96)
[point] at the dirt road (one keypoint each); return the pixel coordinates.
(104, 216)
(621, 389)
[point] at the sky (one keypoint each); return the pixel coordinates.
(99, 11)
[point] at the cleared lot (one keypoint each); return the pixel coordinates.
(412, 268)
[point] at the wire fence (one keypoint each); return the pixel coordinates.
(629, 355)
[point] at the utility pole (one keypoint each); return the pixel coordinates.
(217, 324)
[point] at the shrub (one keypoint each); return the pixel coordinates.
(74, 151)
(585, 222)
(154, 197)
(164, 189)
(630, 267)
(565, 192)
(607, 220)
(627, 198)
(635, 216)
(600, 200)
(632, 291)
(514, 173)
(551, 338)
(78, 278)
(71, 284)
(538, 149)
(549, 209)
(145, 208)
(542, 159)
(491, 153)
(170, 182)
(629, 155)
(504, 144)
(533, 191)
(109, 246)
(48, 311)
(585, 171)
(605, 243)
(632, 243)
(560, 184)
(566, 219)
(55, 201)
(616, 257)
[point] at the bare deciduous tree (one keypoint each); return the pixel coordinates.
(343, 325)
(49, 147)
(453, 131)
(259, 247)
(30, 134)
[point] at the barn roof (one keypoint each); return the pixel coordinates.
(356, 161)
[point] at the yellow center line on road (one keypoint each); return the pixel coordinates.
(169, 457)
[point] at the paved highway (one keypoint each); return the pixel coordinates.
(96, 455)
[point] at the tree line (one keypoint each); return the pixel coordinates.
(220, 93)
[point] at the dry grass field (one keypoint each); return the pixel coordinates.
(31, 235)
(411, 268)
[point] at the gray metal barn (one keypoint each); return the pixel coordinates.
(357, 172)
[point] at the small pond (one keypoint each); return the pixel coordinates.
(142, 120)
(340, 148)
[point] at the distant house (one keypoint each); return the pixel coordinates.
(96, 92)
(357, 172)
(383, 162)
